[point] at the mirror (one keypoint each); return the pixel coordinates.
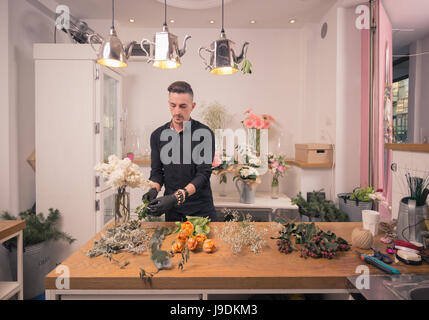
(410, 90)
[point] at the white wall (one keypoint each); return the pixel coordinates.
(26, 26)
(4, 108)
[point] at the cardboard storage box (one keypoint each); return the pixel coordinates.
(314, 153)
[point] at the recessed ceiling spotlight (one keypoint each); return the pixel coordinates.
(252, 21)
(292, 21)
(172, 21)
(132, 20)
(212, 21)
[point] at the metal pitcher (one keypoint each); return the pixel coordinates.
(223, 59)
(112, 50)
(165, 52)
(411, 220)
(247, 194)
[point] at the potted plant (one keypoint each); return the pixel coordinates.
(360, 199)
(37, 236)
(413, 209)
(317, 208)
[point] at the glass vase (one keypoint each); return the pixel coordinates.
(222, 185)
(275, 188)
(122, 206)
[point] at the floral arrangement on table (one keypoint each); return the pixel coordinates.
(248, 174)
(277, 166)
(121, 174)
(214, 115)
(221, 166)
(369, 194)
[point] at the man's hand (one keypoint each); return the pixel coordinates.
(161, 205)
(150, 195)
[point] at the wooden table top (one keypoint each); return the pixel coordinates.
(9, 227)
(222, 269)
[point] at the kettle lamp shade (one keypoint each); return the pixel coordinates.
(112, 53)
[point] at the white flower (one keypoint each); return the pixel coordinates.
(122, 173)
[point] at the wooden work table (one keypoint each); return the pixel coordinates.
(220, 272)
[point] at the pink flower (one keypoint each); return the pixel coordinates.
(281, 169)
(267, 124)
(259, 123)
(276, 164)
(253, 116)
(248, 110)
(217, 161)
(249, 123)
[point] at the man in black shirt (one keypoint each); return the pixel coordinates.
(182, 152)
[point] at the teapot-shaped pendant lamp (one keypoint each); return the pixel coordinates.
(223, 59)
(165, 48)
(112, 53)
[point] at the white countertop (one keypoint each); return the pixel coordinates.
(263, 200)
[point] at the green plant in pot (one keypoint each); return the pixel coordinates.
(37, 236)
(413, 209)
(318, 208)
(362, 198)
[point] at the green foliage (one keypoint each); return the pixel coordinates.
(160, 257)
(314, 242)
(38, 229)
(418, 188)
(201, 225)
(362, 194)
(319, 207)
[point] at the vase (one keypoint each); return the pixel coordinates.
(411, 221)
(122, 206)
(222, 185)
(275, 188)
(247, 194)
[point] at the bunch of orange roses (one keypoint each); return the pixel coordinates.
(192, 235)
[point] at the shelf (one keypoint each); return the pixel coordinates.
(145, 162)
(10, 227)
(305, 165)
(8, 289)
(407, 147)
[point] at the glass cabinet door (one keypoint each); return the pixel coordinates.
(108, 114)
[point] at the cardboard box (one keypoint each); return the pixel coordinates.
(314, 153)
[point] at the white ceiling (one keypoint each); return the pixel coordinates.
(238, 13)
(411, 17)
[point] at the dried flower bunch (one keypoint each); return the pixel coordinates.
(122, 173)
(214, 115)
(127, 237)
(240, 234)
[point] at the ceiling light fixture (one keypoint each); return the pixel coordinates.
(165, 48)
(132, 20)
(292, 21)
(252, 21)
(172, 21)
(222, 56)
(112, 53)
(212, 21)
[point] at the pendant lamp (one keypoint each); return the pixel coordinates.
(165, 48)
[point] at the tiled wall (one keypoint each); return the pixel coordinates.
(416, 163)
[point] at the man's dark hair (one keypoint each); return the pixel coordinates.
(181, 87)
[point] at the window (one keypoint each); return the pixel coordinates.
(400, 110)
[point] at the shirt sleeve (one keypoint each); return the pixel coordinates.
(204, 171)
(157, 168)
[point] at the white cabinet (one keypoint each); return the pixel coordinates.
(78, 124)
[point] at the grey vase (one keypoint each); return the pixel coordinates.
(411, 220)
(247, 194)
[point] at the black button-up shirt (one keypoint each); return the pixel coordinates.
(185, 169)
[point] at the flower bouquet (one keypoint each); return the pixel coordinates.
(277, 166)
(254, 124)
(220, 167)
(121, 174)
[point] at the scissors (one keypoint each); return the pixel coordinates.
(382, 257)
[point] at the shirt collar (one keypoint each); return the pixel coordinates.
(168, 124)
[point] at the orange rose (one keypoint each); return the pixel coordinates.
(182, 237)
(201, 238)
(187, 228)
(192, 244)
(178, 246)
(209, 246)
